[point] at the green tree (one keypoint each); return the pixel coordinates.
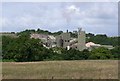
(101, 53)
(116, 52)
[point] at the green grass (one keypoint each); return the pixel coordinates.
(83, 69)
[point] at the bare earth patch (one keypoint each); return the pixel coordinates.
(82, 69)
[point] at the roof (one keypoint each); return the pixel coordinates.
(89, 44)
(51, 37)
(39, 36)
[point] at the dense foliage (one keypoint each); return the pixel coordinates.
(23, 48)
(39, 31)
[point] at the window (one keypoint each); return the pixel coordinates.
(67, 41)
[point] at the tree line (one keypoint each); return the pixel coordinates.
(102, 39)
(23, 49)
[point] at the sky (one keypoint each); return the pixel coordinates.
(93, 17)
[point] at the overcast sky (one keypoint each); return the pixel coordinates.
(94, 17)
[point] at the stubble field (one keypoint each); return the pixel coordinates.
(82, 69)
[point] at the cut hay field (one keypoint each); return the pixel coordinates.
(83, 69)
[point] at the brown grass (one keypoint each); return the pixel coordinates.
(89, 69)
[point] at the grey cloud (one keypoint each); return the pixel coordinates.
(93, 17)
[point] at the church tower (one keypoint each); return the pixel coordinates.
(81, 39)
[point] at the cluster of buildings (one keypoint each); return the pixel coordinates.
(64, 40)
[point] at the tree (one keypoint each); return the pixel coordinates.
(101, 53)
(73, 54)
(85, 54)
(116, 52)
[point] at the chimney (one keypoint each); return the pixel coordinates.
(79, 30)
(67, 31)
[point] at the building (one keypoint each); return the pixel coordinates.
(63, 40)
(51, 41)
(81, 40)
(42, 37)
(91, 45)
(47, 40)
(11, 34)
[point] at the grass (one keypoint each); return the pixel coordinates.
(83, 69)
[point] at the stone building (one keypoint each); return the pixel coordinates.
(81, 39)
(51, 41)
(43, 37)
(63, 40)
(47, 40)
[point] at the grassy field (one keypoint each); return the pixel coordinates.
(89, 69)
